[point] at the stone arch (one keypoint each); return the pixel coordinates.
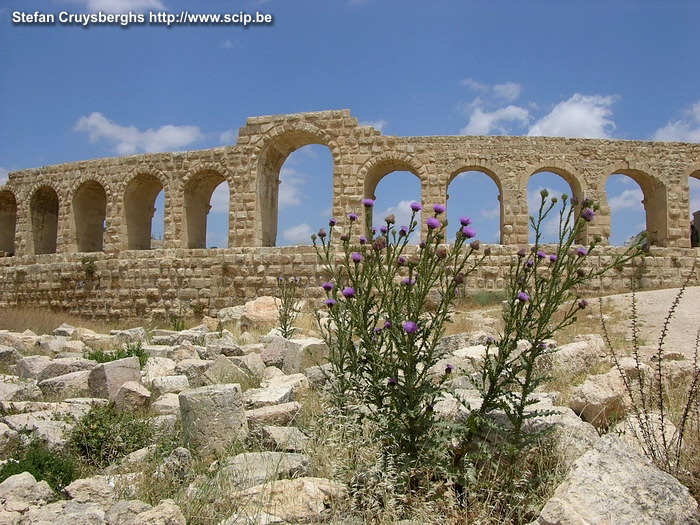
(655, 199)
(198, 186)
(139, 195)
(464, 166)
(268, 156)
(693, 186)
(43, 206)
(8, 221)
(89, 215)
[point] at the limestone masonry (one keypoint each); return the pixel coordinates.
(80, 233)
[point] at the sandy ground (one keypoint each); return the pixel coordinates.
(653, 307)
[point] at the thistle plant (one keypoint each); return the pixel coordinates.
(287, 295)
(542, 299)
(387, 304)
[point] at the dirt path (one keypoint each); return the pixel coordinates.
(653, 307)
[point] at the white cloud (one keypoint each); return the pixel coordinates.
(228, 137)
(582, 116)
(490, 213)
(121, 6)
(227, 44)
(299, 234)
(474, 84)
(486, 122)
(220, 199)
(376, 124)
(290, 187)
(3, 175)
(629, 198)
(684, 130)
(129, 139)
(508, 91)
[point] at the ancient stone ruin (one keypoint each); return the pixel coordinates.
(80, 233)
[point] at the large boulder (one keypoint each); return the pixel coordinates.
(22, 491)
(132, 396)
(107, 378)
(59, 367)
(223, 370)
(276, 415)
(31, 366)
(74, 384)
(600, 398)
(261, 310)
(613, 483)
(253, 468)
(213, 416)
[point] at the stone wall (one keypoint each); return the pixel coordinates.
(56, 220)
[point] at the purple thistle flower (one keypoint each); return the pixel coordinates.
(449, 368)
(523, 297)
(363, 240)
(348, 292)
(521, 252)
(392, 381)
(352, 216)
(401, 260)
(433, 223)
(468, 232)
(529, 263)
(345, 237)
(368, 203)
(403, 231)
(387, 324)
(416, 207)
(553, 258)
(327, 286)
(377, 330)
(408, 281)
(355, 257)
(582, 304)
(331, 223)
(465, 221)
(588, 214)
(581, 252)
(329, 302)
(409, 327)
(322, 233)
(475, 245)
(383, 229)
(541, 254)
(438, 209)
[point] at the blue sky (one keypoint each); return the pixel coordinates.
(595, 68)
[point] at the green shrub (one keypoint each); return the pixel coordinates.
(105, 434)
(287, 295)
(58, 469)
(130, 350)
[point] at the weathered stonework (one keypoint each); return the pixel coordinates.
(52, 218)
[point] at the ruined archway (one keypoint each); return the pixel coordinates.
(198, 203)
(272, 156)
(652, 213)
(557, 182)
(694, 205)
(8, 222)
(139, 208)
(475, 193)
(44, 216)
(89, 213)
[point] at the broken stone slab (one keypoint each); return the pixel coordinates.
(301, 500)
(251, 363)
(169, 384)
(222, 370)
(613, 483)
(253, 468)
(157, 350)
(12, 388)
(22, 491)
(157, 367)
(132, 396)
(65, 330)
(59, 367)
(95, 489)
(165, 513)
(107, 378)
(31, 366)
(450, 343)
(74, 384)
(276, 415)
(297, 382)
(260, 311)
(166, 404)
(132, 335)
(7, 435)
(51, 344)
(285, 439)
(213, 416)
(125, 512)
(101, 341)
(262, 397)
(9, 355)
(231, 314)
(318, 376)
(186, 350)
(600, 398)
(194, 370)
(304, 353)
(66, 513)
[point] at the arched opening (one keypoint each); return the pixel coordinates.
(556, 183)
(295, 188)
(89, 213)
(393, 185)
(140, 208)
(476, 195)
(637, 206)
(8, 223)
(694, 204)
(206, 194)
(44, 213)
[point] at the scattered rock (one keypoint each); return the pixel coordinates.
(253, 468)
(600, 398)
(21, 491)
(285, 439)
(132, 396)
(277, 415)
(95, 489)
(169, 384)
(107, 378)
(67, 385)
